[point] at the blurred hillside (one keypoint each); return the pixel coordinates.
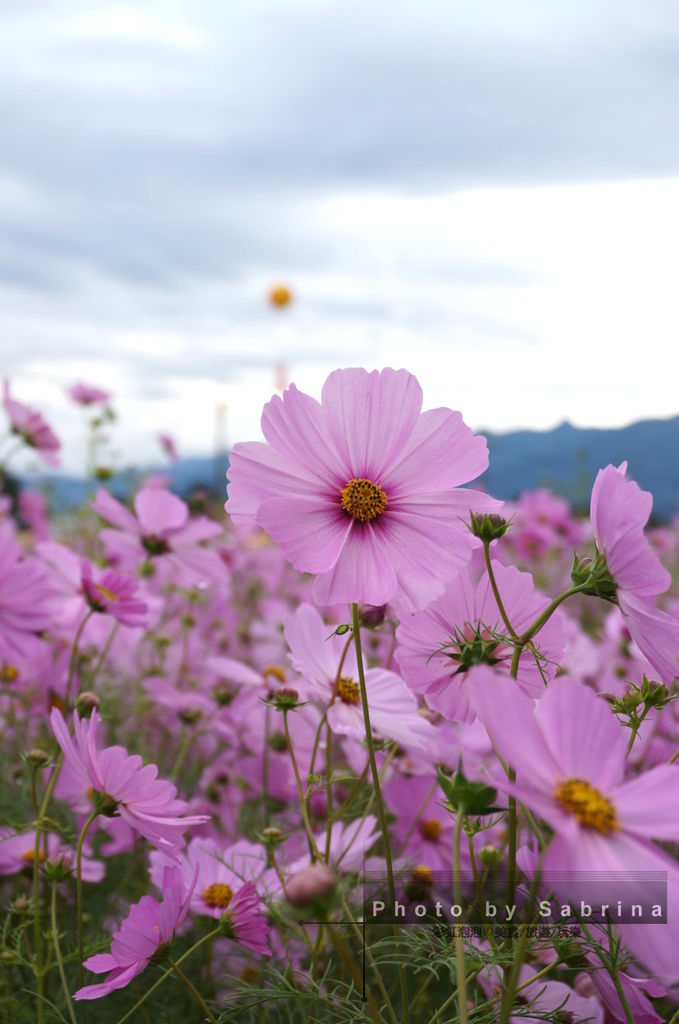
(565, 459)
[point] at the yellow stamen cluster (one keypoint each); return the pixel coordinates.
(363, 500)
(28, 856)
(108, 594)
(8, 673)
(431, 829)
(423, 874)
(590, 807)
(348, 691)
(219, 894)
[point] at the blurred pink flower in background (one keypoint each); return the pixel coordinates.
(29, 425)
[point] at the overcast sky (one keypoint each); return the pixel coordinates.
(486, 193)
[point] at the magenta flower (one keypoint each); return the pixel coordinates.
(87, 394)
(363, 488)
(26, 605)
(619, 512)
(221, 874)
(161, 531)
(167, 443)
(439, 647)
(393, 709)
(113, 593)
(29, 425)
(149, 926)
(569, 754)
(124, 785)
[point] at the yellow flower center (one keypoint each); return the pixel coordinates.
(423, 874)
(8, 673)
(590, 807)
(431, 829)
(219, 894)
(348, 691)
(28, 856)
(105, 592)
(363, 500)
(276, 671)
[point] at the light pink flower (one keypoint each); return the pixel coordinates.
(619, 512)
(113, 593)
(221, 873)
(131, 789)
(439, 647)
(393, 709)
(26, 605)
(29, 425)
(167, 443)
(148, 926)
(160, 530)
(88, 394)
(363, 488)
(569, 750)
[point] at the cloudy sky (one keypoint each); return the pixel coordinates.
(484, 192)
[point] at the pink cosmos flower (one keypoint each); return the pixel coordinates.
(25, 600)
(160, 530)
(393, 709)
(17, 853)
(126, 786)
(32, 508)
(619, 512)
(29, 425)
(363, 488)
(221, 874)
(148, 926)
(543, 998)
(569, 754)
(167, 443)
(439, 647)
(87, 394)
(113, 593)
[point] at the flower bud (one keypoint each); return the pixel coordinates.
(490, 855)
(372, 615)
(284, 699)
(86, 703)
(313, 883)
(487, 526)
(37, 757)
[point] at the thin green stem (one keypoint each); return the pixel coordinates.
(313, 848)
(104, 654)
(381, 815)
(166, 975)
(74, 652)
(79, 890)
(193, 990)
(60, 962)
(37, 929)
(496, 592)
(460, 969)
(547, 614)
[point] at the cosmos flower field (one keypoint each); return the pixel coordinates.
(367, 744)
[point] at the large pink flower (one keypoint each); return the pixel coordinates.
(439, 647)
(127, 787)
(569, 750)
(363, 488)
(619, 512)
(148, 926)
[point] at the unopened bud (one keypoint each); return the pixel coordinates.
(86, 703)
(37, 757)
(272, 836)
(372, 615)
(487, 526)
(315, 882)
(283, 699)
(489, 855)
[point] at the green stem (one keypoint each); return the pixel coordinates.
(37, 930)
(166, 975)
(496, 592)
(460, 969)
(313, 848)
(74, 652)
(79, 890)
(193, 990)
(104, 654)
(513, 977)
(60, 962)
(381, 815)
(547, 614)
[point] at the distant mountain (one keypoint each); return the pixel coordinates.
(565, 459)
